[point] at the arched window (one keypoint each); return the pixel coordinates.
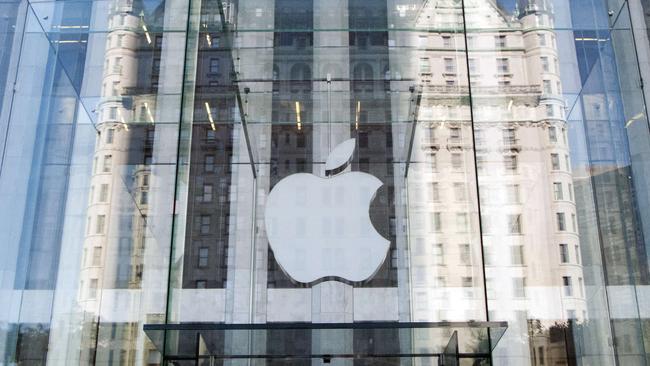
(362, 71)
(300, 72)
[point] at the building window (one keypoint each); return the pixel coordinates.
(541, 39)
(509, 137)
(462, 222)
(514, 224)
(517, 255)
(570, 190)
(97, 256)
(436, 221)
(456, 161)
(393, 259)
(112, 113)
(473, 66)
(552, 134)
(545, 64)
(207, 193)
(115, 89)
(438, 254)
(432, 160)
(425, 66)
(513, 194)
(557, 191)
(519, 287)
(488, 255)
(479, 137)
(460, 192)
(117, 65)
(208, 164)
(481, 163)
(92, 288)
(108, 164)
(455, 134)
(110, 134)
(447, 42)
(100, 222)
(564, 253)
(574, 223)
(434, 192)
(214, 65)
(500, 41)
(550, 112)
(581, 287)
(465, 257)
(577, 253)
(561, 221)
(510, 163)
(210, 135)
(568, 287)
(201, 284)
(203, 257)
(144, 197)
(547, 87)
(555, 162)
(450, 65)
(103, 193)
(422, 41)
(503, 65)
(471, 41)
(205, 224)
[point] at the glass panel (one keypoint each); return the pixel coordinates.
(349, 181)
(563, 144)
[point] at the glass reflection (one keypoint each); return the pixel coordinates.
(142, 139)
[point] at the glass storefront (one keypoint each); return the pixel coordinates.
(301, 182)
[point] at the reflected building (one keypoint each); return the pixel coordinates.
(510, 139)
(509, 127)
(116, 223)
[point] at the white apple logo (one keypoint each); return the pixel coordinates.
(321, 228)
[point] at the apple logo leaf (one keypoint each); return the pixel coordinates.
(340, 157)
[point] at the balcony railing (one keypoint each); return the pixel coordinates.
(484, 90)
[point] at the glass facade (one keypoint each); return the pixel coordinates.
(300, 182)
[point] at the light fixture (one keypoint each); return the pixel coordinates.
(634, 118)
(146, 32)
(146, 106)
(356, 116)
(209, 110)
(298, 120)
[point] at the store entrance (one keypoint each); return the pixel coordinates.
(309, 344)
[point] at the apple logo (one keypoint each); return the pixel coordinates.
(320, 228)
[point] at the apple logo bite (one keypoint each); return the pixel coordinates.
(320, 227)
